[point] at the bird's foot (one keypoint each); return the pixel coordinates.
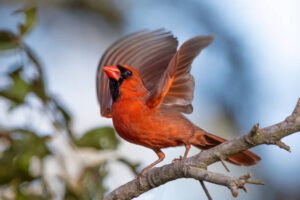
(177, 159)
(144, 171)
(139, 177)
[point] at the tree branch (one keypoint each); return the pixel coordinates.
(196, 166)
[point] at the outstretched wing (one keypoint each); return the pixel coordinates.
(176, 87)
(149, 52)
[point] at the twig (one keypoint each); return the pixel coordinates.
(224, 164)
(205, 190)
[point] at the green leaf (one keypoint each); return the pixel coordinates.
(17, 158)
(30, 20)
(99, 138)
(28, 138)
(19, 88)
(27, 146)
(91, 184)
(8, 40)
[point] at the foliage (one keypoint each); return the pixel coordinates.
(24, 149)
(99, 138)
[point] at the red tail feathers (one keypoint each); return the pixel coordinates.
(204, 140)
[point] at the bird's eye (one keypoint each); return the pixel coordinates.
(128, 73)
(125, 73)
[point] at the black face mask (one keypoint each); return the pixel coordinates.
(114, 85)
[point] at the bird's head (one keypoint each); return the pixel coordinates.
(124, 80)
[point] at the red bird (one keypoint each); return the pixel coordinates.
(146, 89)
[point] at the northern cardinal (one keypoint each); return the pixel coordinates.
(144, 84)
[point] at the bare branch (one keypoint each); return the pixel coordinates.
(196, 166)
(232, 183)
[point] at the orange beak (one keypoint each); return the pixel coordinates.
(112, 72)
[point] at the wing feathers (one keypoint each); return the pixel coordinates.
(176, 87)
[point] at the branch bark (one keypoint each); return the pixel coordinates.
(196, 166)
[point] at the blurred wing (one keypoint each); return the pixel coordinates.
(149, 52)
(175, 89)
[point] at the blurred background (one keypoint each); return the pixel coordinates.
(55, 145)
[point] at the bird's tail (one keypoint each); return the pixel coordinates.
(204, 140)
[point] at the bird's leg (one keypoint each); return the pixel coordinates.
(187, 149)
(160, 155)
